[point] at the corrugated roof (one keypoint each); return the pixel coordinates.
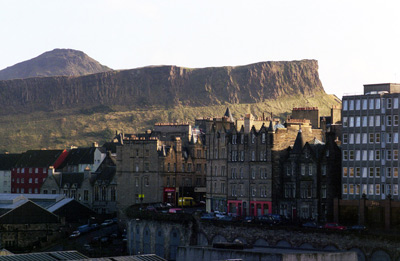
(61, 255)
(59, 204)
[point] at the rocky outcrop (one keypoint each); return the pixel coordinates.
(163, 86)
(59, 62)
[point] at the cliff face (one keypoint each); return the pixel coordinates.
(65, 62)
(163, 86)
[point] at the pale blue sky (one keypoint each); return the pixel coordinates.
(355, 42)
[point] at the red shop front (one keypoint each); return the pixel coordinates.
(169, 195)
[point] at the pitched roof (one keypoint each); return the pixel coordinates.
(298, 143)
(106, 174)
(79, 156)
(7, 161)
(38, 158)
(228, 114)
(71, 178)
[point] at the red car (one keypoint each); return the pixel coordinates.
(334, 226)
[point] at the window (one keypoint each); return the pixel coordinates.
(36, 180)
(345, 189)
(364, 104)
(358, 153)
(371, 172)
(137, 167)
(388, 189)
(371, 104)
(351, 189)
(377, 172)
(241, 173)
(388, 137)
(364, 155)
(323, 170)
(377, 189)
(345, 155)
(351, 140)
(137, 182)
(364, 138)
(263, 137)
(395, 189)
(395, 154)
(351, 153)
(345, 103)
(358, 121)
(345, 122)
(253, 138)
(389, 103)
(364, 121)
(396, 103)
(364, 189)
(323, 191)
(377, 103)
(377, 137)
(371, 189)
(389, 120)
(234, 139)
(146, 167)
(364, 172)
(371, 155)
(358, 189)
(371, 138)
(358, 102)
(310, 169)
(371, 121)
(242, 155)
(389, 155)
(396, 138)
(344, 171)
(358, 138)
(396, 120)
(303, 169)
(351, 103)
(358, 172)
(389, 172)
(351, 121)
(253, 173)
(351, 173)
(377, 155)
(253, 155)
(377, 120)
(345, 138)
(395, 172)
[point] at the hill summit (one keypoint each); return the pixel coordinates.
(58, 62)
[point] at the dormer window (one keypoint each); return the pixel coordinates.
(263, 137)
(253, 138)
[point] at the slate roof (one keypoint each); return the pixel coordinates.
(7, 161)
(38, 158)
(298, 143)
(79, 156)
(71, 178)
(107, 174)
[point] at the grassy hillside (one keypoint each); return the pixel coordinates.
(61, 129)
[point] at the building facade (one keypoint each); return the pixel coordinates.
(370, 149)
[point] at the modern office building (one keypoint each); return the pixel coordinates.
(370, 143)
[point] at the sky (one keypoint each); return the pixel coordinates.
(355, 42)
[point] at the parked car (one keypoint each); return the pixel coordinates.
(226, 218)
(266, 220)
(248, 219)
(75, 234)
(94, 226)
(208, 216)
(107, 222)
(312, 224)
(358, 228)
(175, 210)
(334, 226)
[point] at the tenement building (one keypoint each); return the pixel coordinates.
(370, 158)
(161, 166)
(244, 161)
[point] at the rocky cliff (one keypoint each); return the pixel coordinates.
(58, 62)
(165, 86)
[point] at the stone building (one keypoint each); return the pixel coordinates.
(95, 189)
(160, 166)
(310, 180)
(245, 161)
